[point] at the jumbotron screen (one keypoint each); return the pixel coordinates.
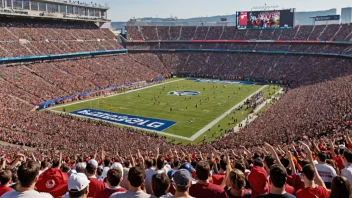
(265, 19)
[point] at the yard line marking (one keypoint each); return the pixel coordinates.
(96, 98)
(253, 115)
(218, 119)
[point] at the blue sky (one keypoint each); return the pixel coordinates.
(127, 9)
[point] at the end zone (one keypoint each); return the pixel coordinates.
(127, 120)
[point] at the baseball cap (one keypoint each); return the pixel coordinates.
(81, 165)
(171, 173)
(342, 146)
(93, 162)
(77, 182)
(187, 166)
(182, 177)
(118, 166)
(258, 179)
(52, 181)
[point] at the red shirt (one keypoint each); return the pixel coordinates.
(295, 181)
(338, 160)
(95, 186)
(319, 191)
(289, 189)
(207, 191)
(107, 192)
(349, 146)
(4, 189)
(218, 178)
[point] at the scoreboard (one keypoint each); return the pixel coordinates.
(265, 19)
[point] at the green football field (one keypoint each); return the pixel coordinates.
(191, 113)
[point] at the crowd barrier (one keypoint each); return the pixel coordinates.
(84, 95)
(59, 56)
(238, 41)
(237, 51)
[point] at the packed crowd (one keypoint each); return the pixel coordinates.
(44, 81)
(308, 168)
(334, 32)
(28, 37)
(293, 70)
(287, 47)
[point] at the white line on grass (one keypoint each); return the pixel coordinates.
(253, 115)
(96, 98)
(214, 122)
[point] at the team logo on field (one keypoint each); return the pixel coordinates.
(124, 119)
(184, 93)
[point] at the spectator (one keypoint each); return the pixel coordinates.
(340, 188)
(277, 183)
(126, 168)
(65, 168)
(347, 162)
(219, 177)
(136, 176)
(161, 185)
(113, 179)
(53, 180)
(106, 167)
(311, 190)
(149, 172)
(326, 172)
(235, 185)
(203, 188)
(44, 165)
(5, 180)
(28, 174)
(182, 182)
(257, 179)
(78, 186)
(95, 185)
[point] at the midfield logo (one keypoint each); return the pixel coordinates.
(129, 120)
(184, 93)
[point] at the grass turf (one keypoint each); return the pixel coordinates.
(142, 103)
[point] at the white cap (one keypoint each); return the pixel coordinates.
(118, 166)
(93, 162)
(81, 165)
(78, 182)
(342, 146)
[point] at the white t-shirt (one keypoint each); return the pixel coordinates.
(26, 194)
(124, 182)
(130, 194)
(327, 173)
(347, 172)
(105, 172)
(66, 195)
(148, 179)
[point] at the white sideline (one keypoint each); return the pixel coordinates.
(214, 122)
(253, 115)
(95, 98)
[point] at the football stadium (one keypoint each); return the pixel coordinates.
(253, 104)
